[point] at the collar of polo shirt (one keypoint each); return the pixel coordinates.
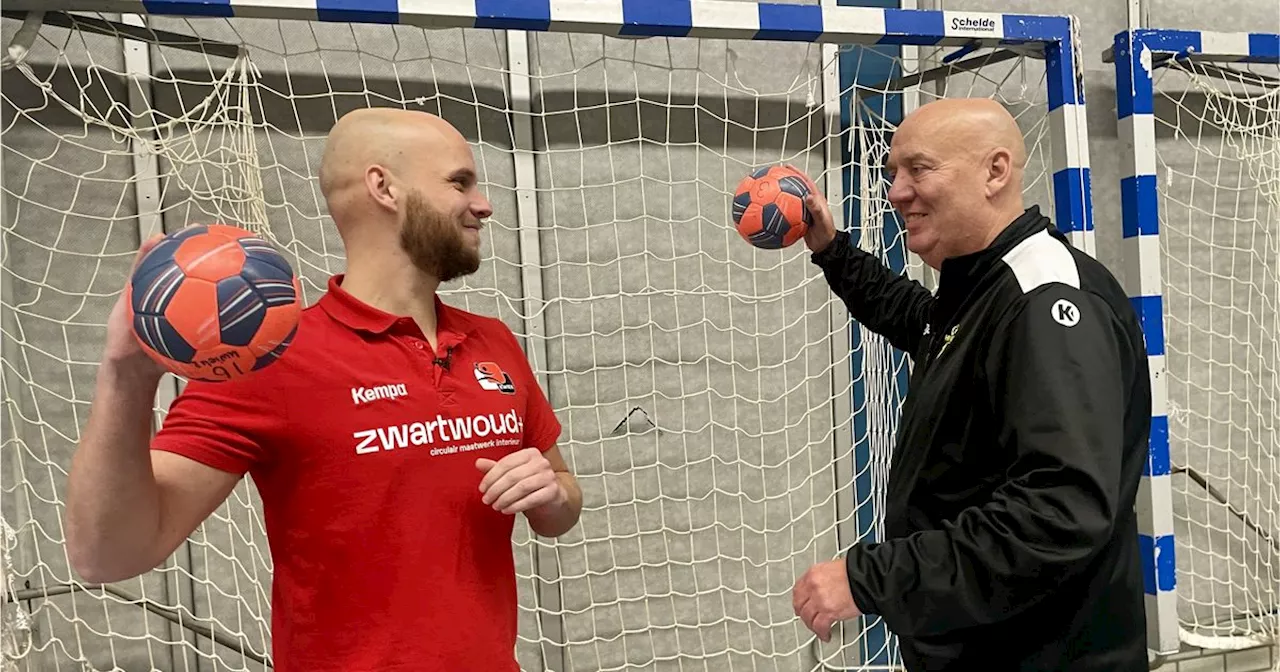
(451, 327)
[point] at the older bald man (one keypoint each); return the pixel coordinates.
(1011, 538)
(392, 444)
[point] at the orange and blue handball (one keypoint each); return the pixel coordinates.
(768, 207)
(214, 303)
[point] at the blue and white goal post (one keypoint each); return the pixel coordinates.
(1199, 121)
(728, 422)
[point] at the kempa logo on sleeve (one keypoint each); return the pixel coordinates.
(364, 395)
(445, 435)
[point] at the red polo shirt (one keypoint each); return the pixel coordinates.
(362, 443)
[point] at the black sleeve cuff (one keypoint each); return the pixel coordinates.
(834, 250)
(853, 560)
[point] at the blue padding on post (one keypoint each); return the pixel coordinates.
(1029, 28)
(1071, 196)
(1150, 311)
(1135, 98)
(1125, 103)
(1159, 572)
(1157, 463)
(1138, 206)
(913, 27)
(189, 7)
(513, 14)
(1264, 48)
(1171, 41)
(790, 22)
(358, 11)
(666, 18)
(1064, 86)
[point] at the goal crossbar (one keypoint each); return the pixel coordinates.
(721, 19)
(90, 24)
(725, 19)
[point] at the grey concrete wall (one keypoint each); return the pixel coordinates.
(695, 526)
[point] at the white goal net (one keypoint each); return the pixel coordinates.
(726, 434)
(1217, 163)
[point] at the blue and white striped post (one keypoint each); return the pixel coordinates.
(866, 66)
(1145, 286)
(1072, 196)
(1136, 55)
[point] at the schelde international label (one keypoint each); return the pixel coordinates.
(973, 25)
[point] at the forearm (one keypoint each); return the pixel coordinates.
(558, 517)
(988, 565)
(113, 511)
(885, 302)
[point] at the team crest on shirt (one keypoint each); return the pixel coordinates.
(492, 377)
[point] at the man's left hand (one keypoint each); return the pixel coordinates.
(520, 481)
(822, 596)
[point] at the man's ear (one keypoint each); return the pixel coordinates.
(999, 167)
(378, 182)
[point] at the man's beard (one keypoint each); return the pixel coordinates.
(434, 242)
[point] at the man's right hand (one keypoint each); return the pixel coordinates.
(822, 228)
(128, 507)
(122, 350)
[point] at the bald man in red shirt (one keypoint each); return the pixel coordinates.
(392, 444)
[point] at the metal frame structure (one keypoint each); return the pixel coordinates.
(1136, 54)
(828, 24)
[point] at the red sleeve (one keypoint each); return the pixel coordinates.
(223, 425)
(541, 426)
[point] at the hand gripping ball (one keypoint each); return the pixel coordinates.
(214, 303)
(768, 207)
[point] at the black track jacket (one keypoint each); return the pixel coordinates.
(1012, 541)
